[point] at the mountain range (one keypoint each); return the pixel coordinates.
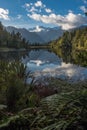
(39, 34)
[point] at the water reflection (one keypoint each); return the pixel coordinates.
(68, 55)
(46, 63)
(13, 55)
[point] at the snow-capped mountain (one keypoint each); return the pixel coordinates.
(49, 34)
(39, 34)
(32, 37)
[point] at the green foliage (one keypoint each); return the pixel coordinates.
(72, 46)
(65, 110)
(75, 39)
(14, 91)
(11, 40)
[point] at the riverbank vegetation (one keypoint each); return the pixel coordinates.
(76, 39)
(56, 105)
(72, 46)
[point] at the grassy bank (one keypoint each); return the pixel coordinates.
(5, 49)
(11, 49)
(36, 106)
(40, 47)
(65, 109)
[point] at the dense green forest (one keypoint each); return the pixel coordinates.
(72, 46)
(76, 39)
(11, 40)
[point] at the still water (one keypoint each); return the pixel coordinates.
(44, 63)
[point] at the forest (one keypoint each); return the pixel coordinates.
(72, 46)
(75, 39)
(11, 40)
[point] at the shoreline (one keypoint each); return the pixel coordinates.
(11, 49)
(23, 49)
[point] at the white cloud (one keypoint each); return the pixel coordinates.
(48, 10)
(32, 10)
(4, 14)
(27, 5)
(66, 22)
(39, 4)
(84, 9)
(34, 7)
(34, 16)
(37, 29)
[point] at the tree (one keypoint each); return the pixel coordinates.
(1, 26)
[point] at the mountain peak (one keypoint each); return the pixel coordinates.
(37, 29)
(38, 34)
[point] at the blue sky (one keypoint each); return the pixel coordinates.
(30, 13)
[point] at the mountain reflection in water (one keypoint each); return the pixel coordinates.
(44, 63)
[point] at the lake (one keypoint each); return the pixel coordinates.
(45, 63)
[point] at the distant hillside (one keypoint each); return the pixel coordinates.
(51, 35)
(39, 34)
(44, 35)
(48, 34)
(29, 36)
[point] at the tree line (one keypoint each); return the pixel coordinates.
(75, 39)
(12, 40)
(72, 46)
